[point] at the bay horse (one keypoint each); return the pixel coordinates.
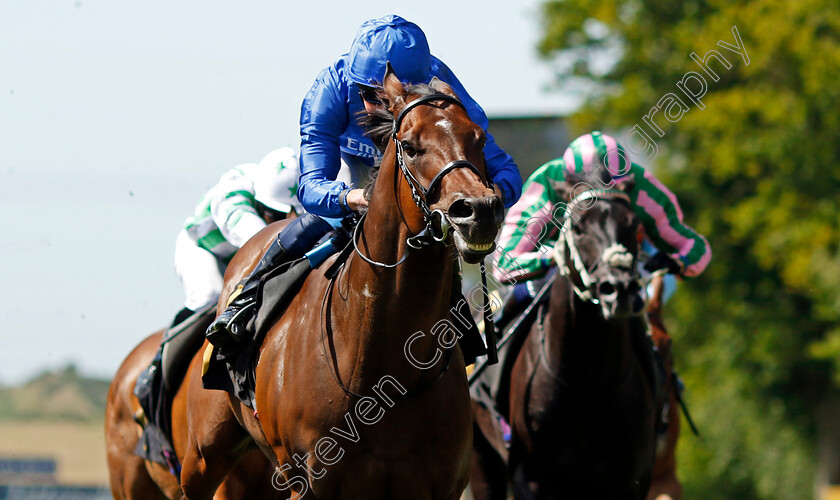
(342, 411)
(132, 478)
(581, 401)
(664, 484)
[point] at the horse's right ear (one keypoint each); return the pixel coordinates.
(565, 188)
(394, 90)
(442, 87)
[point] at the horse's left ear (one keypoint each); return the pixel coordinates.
(562, 188)
(395, 92)
(442, 87)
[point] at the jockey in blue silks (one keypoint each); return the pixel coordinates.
(335, 155)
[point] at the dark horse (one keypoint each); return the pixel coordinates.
(341, 412)
(581, 400)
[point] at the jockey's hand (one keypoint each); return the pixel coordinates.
(655, 299)
(356, 199)
(662, 261)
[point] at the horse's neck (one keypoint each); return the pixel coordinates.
(386, 306)
(581, 346)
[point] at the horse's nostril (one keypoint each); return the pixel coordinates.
(606, 289)
(461, 209)
(498, 209)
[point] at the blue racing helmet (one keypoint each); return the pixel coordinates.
(389, 39)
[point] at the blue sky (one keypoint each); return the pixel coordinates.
(115, 117)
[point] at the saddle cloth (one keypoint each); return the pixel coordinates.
(157, 386)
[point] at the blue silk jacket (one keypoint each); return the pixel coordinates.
(328, 125)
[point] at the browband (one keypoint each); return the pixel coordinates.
(420, 100)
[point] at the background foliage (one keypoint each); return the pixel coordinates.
(757, 171)
(62, 395)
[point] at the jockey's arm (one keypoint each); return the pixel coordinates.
(531, 228)
(503, 171)
(234, 211)
(323, 119)
(662, 218)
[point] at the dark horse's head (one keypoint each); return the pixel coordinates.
(602, 230)
(443, 150)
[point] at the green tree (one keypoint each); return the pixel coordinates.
(756, 167)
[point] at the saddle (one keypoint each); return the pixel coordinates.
(156, 387)
(231, 367)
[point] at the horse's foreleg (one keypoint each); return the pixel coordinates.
(665, 485)
(203, 471)
(524, 486)
(209, 437)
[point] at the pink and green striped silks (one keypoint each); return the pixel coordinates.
(532, 225)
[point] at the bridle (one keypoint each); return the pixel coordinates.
(416, 187)
(437, 223)
(567, 242)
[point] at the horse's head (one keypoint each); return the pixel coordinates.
(440, 152)
(599, 244)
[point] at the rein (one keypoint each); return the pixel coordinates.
(567, 242)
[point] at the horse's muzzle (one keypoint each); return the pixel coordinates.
(476, 222)
(620, 299)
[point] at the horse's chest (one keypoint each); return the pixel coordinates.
(402, 450)
(590, 434)
(386, 467)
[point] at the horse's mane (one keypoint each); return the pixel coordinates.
(379, 124)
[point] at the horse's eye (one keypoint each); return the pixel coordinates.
(409, 150)
(481, 139)
(576, 229)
